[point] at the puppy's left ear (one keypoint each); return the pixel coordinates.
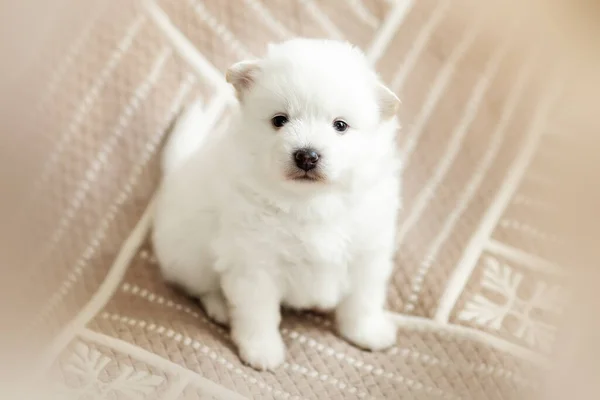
(242, 75)
(389, 103)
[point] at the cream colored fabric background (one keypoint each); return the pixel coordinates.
(495, 127)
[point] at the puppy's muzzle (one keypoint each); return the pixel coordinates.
(306, 159)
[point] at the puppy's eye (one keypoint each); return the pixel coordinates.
(340, 126)
(279, 120)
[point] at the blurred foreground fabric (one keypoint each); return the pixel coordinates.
(500, 145)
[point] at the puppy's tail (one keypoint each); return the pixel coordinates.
(187, 135)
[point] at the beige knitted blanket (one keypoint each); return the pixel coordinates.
(480, 268)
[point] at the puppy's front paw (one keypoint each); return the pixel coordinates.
(261, 351)
(375, 332)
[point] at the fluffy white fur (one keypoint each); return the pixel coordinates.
(239, 226)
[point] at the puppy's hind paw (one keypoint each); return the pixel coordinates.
(215, 306)
(376, 332)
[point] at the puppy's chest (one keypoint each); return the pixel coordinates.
(313, 260)
(318, 243)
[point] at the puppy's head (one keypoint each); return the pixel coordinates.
(312, 113)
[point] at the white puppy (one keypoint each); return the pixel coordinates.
(295, 204)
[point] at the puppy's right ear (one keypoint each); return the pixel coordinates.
(242, 75)
(388, 101)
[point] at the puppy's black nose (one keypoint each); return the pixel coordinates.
(306, 159)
